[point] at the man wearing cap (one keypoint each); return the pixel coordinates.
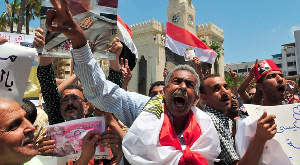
(270, 81)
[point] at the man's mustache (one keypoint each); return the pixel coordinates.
(71, 107)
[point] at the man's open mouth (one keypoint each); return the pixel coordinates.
(281, 88)
(179, 101)
(225, 99)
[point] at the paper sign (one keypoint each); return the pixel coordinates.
(68, 137)
(288, 125)
(16, 38)
(189, 54)
(15, 66)
(98, 20)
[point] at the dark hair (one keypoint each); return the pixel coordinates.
(157, 83)
(202, 87)
(74, 86)
(30, 109)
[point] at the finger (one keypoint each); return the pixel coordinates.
(263, 116)
(268, 119)
(45, 148)
(51, 13)
(45, 153)
(55, 3)
(126, 63)
(64, 5)
(256, 61)
(122, 62)
(273, 128)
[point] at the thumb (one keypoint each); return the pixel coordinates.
(95, 139)
(263, 116)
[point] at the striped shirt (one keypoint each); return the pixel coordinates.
(105, 95)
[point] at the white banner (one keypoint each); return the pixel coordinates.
(288, 125)
(15, 65)
(15, 38)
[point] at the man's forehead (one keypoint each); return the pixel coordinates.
(186, 74)
(211, 81)
(71, 92)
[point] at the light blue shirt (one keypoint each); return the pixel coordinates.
(105, 95)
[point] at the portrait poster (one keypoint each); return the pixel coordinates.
(68, 137)
(15, 65)
(284, 148)
(98, 20)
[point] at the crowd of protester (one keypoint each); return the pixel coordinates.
(188, 118)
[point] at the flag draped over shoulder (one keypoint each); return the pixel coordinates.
(179, 40)
(152, 139)
(129, 50)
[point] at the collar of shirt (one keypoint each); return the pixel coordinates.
(223, 117)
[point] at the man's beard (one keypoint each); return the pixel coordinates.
(74, 117)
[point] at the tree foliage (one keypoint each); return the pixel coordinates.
(19, 14)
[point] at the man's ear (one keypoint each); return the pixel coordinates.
(196, 100)
(203, 97)
(87, 106)
(259, 86)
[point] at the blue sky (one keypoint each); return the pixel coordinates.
(252, 29)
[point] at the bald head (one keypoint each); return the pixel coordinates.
(16, 134)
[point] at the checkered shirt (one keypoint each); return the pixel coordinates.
(224, 127)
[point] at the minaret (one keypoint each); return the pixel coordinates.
(182, 13)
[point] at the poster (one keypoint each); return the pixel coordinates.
(15, 65)
(288, 125)
(68, 137)
(98, 20)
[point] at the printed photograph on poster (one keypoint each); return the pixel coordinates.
(98, 20)
(68, 137)
(189, 54)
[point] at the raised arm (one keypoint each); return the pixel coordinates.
(71, 80)
(198, 68)
(45, 74)
(233, 76)
(244, 85)
(104, 94)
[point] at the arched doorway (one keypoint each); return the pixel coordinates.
(142, 76)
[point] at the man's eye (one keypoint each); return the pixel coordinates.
(14, 126)
(216, 89)
(190, 84)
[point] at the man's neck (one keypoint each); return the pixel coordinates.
(179, 123)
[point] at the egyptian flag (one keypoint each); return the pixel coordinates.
(178, 40)
(129, 50)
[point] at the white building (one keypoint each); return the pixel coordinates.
(288, 60)
(149, 38)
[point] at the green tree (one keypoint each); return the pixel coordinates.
(216, 47)
(21, 19)
(32, 11)
(230, 81)
(13, 10)
(4, 21)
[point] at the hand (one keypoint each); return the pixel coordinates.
(126, 72)
(61, 20)
(292, 83)
(2, 40)
(89, 144)
(39, 39)
(116, 47)
(165, 73)
(46, 146)
(197, 64)
(251, 69)
(112, 140)
(232, 74)
(266, 127)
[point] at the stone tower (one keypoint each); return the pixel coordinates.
(182, 13)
